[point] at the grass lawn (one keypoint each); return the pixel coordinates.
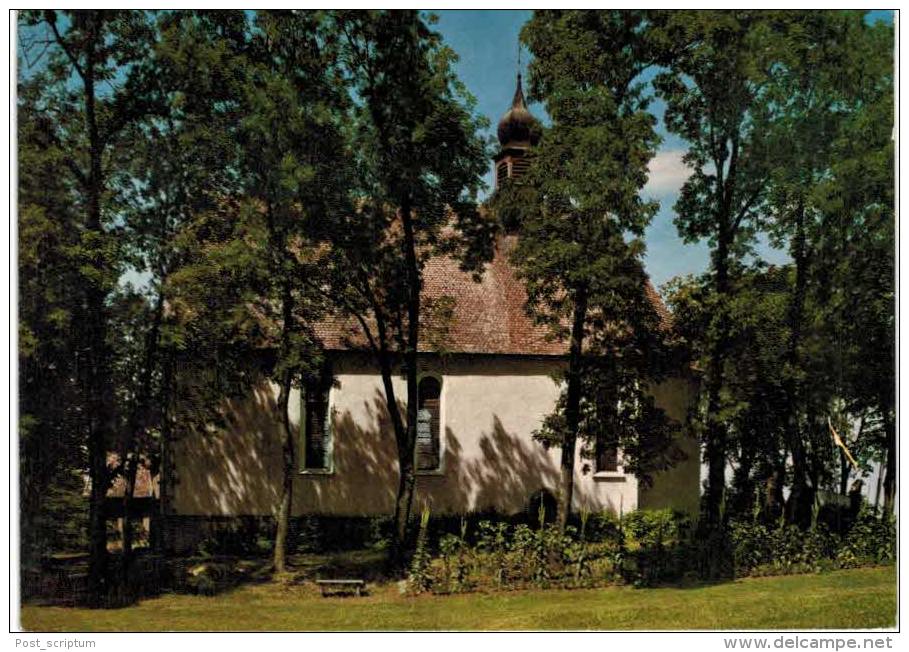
(860, 598)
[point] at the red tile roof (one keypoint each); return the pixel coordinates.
(488, 316)
(146, 484)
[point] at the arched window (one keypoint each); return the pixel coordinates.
(317, 422)
(429, 424)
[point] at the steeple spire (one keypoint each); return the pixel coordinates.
(518, 131)
(518, 102)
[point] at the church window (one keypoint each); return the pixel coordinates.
(429, 423)
(317, 433)
(607, 456)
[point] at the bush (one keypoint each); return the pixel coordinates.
(786, 549)
(750, 544)
(246, 537)
(643, 548)
(455, 577)
(419, 579)
(656, 546)
(870, 540)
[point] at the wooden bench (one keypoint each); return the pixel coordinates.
(341, 587)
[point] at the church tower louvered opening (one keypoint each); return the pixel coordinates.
(518, 131)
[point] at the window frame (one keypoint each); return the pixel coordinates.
(328, 431)
(619, 467)
(619, 472)
(440, 469)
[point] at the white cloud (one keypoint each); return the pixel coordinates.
(667, 173)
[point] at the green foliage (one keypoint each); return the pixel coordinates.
(73, 134)
(419, 579)
(784, 549)
(776, 108)
(580, 219)
(454, 552)
(871, 540)
(492, 542)
(642, 549)
(654, 546)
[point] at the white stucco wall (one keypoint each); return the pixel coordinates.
(489, 408)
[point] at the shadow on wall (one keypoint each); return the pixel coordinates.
(237, 470)
(364, 480)
(502, 475)
(234, 469)
(506, 473)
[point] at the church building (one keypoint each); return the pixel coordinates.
(480, 402)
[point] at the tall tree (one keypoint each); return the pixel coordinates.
(814, 89)
(854, 275)
(420, 163)
(284, 99)
(51, 428)
(180, 164)
(813, 78)
(90, 56)
(294, 169)
(715, 92)
(754, 384)
(581, 219)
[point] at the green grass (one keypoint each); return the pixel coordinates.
(860, 598)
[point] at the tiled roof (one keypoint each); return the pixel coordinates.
(488, 316)
(146, 484)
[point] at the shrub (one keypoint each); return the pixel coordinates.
(419, 580)
(603, 527)
(642, 548)
(454, 552)
(871, 540)
(492, 543)
(750, 544)
(786, 549)
(500, 555)
(653, 546)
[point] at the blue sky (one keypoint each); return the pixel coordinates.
(487, 43)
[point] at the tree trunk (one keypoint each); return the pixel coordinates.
(743, 482)
(801, 498)
(399, 529)
(773, 493)
(98, 377)
(287, 485)
(890, 476)
(138, 422)
(844, 474)
(288, 325)
(160, 538)
(572, 408)
(407, 479)
(716, 431)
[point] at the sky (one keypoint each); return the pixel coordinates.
(487, 44)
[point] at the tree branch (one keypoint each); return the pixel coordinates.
(747, 205)
(51, 19)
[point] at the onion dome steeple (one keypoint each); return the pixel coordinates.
(518, 131)
(518, 127)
